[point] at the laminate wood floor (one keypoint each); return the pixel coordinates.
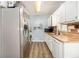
(39, 50)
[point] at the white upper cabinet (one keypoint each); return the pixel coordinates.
(61, 11)
(71, 10)
(59, 15)
(68, 11)
(55, 18)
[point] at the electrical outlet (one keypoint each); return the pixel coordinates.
(76, 17)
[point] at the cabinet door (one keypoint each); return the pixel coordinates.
(53, 47)
(46, 39)
(71, 10)
(64, 28)
(71, 50)
(59, 15)
(78, 9)
(51, 43)
(58, 46)
(62, 15)
(55, 18)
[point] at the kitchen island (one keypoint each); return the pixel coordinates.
(65, 45)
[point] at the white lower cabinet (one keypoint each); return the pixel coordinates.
(71, 50)
(49, 42)
(62, 49)
(54, 46)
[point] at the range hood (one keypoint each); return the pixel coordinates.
(71, 22)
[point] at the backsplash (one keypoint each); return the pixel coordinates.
(73, 28)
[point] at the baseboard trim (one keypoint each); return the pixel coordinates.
(38, 41)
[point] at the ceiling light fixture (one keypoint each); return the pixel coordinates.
(38, 6)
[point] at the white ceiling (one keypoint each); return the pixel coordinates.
(47, 7)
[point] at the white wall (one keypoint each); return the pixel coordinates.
(34, 21)
(23, 20)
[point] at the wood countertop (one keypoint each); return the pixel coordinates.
(66, 37)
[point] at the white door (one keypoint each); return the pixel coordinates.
(37, 32)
